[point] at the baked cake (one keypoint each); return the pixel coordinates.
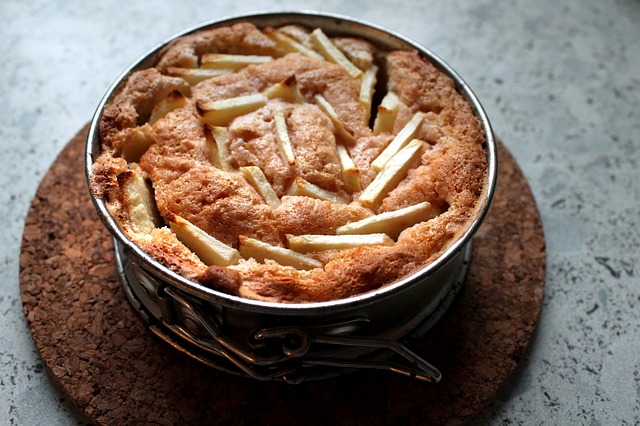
(283, 165)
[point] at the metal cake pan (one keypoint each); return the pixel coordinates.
(292, 342)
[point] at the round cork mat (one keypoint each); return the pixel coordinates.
(100, 352)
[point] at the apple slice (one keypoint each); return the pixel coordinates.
(390, 176)
(391, 223)
(350, 173)
(208, 248)
(219, 153)
(222, 112)
(345, 133)
(286, 90)
(282, 136)
(138, 201)
(312, 243)
(194, 76)
(258, 180)
(290, 45)
(332, 53)
(303, 188)
(136, 143)
(260, 251)
(367, 88)
(408, 132)
(387, 112)
(234, 62)
(172, 101)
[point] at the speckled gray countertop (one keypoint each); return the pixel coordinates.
(561, 83)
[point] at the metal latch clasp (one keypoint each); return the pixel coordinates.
(284, 353)
(297, 342)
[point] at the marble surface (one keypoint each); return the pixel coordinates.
(560, 82)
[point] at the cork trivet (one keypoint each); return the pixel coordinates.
(99, 351)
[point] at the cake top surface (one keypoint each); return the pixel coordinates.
(283, 165)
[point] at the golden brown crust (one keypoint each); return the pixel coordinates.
(133, 104)
(164, 246)
(222, 204)
(223, 279)
(374, 268)
(188, 181)
(271, 282)
(180, 142)
(361, 53)
(305, 215)
(104, 172)
(299, 33)
(241, 38)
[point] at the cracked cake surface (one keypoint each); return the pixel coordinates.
(283, 165)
